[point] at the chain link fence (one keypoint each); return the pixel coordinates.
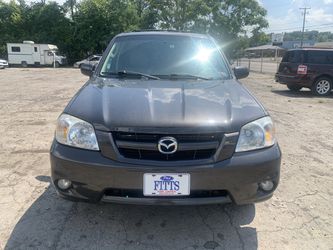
(265, 65)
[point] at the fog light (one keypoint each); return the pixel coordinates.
(64, 184)
(266, 185)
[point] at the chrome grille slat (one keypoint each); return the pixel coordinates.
(181, 146)
(137, 145)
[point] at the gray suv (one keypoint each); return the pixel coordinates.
(164, 120)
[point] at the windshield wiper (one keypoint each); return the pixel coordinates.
(125, 73)
(185, 76)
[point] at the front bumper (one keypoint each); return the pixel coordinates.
(3, 65)
(97, 178)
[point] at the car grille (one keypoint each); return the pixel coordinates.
(144, 146)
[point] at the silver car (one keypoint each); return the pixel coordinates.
(92, 60)
(3, 64)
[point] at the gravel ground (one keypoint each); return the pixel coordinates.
(299, 216)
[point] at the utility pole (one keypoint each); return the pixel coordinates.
(304, 14)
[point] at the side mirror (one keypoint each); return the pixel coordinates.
(241, 72)
(87, 69)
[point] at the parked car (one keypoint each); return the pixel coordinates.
(3, 64)
(164, 120)
(309, 68)
(92, 60)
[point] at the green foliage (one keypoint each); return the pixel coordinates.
(97, 21)
(84, 27)
(10, 19)
(43, 23)
(46, 23)
(259, 38)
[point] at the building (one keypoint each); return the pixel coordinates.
(297, 44)
(324, 45)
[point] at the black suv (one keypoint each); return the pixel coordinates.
(163, 120)
(309, 67)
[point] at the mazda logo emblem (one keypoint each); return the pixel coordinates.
(167, 145)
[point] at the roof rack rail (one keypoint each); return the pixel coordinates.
(157, 30)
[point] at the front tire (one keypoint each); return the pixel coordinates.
(322, 86)
(294, 87)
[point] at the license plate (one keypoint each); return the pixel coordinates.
(166, 184)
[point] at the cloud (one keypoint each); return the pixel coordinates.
(287, 22)
(328, 1)
(319, 16)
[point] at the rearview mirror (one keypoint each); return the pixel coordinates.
(87, 69)
(241, 72)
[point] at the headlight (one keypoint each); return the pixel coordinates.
(76, 133)
(255, 135)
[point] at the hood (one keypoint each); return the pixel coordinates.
(61, 57)
(135, 105)
(3, 61)
(79, 62)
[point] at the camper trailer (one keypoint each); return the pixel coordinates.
(28, 53)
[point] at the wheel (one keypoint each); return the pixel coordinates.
(294, 87)
(24, 64)
(322, 86)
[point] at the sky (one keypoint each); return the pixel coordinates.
(285, 15)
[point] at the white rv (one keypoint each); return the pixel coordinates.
(29, 53)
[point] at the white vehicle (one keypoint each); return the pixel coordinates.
(29, 53)
(3, 64)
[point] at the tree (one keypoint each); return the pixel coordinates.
(40, 22)
(180, 14)
(11, 21)
(81, 28)
(47, 23)
(70, 6)
(224, 20)
(146, 12)
(98, 21)
(259, 38)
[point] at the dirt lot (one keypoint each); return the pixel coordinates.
(299, 216)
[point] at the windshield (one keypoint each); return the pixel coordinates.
(165, 57)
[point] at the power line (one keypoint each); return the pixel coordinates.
(304, 14)
(317, 25)
(323, 25)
